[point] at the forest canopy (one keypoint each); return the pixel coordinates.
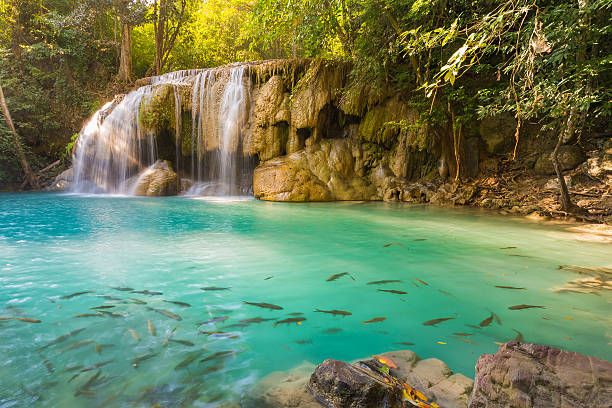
(540, 60)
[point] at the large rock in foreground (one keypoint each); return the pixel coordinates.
(157, 180)
(531, 375)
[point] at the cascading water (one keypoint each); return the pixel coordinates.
(115, 147)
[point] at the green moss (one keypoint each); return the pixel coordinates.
(157, 111)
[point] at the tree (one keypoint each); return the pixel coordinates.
(168, 19)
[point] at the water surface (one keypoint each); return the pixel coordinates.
(448, 262)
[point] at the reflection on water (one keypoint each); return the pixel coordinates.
(142, 301)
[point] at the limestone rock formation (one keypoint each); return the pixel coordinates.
(63, 181)
(531, 375)
(157, 180)
(569, 158)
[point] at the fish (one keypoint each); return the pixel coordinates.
(385, 360)
(414, 284)
(178, 303)
(405, 343)
(297, 320)
(463, 334)
(303, 341)
(497, 319)
(445, 292)
(61, 338)
(374, 320)
(397, 292)
(486, 321)
(521, 307)
(151, 327)
(48, 364)
(295, 314)
(72, 368)
(214, 288)
(463, 339)
(168, 314)
(74, 376)
(382, 332)
(97, 314)
(420, 239)
(147, 292)
(219, 354)
(440, 342)
(256, 320)
(80, 391)
(28, 320)
(333, 330)
(100, 347)
(424, 283)
(509, 287)
(268, 278)
(98, 365)
(231, 326)
(509, 247)
(334, 312)
(111, 314)
(165, 343)
(75, 294)
(392, 243)
(77, 344)
(138, 359)
(339, 275)
(436, 321)
(183, 342)
(473, 326)
(134, 334)
(265, 305)
(102, 307)
(215, 320)
(382, 282)
(125, 289)
(520, 256)
(138, 301)
(109, 297)
(519, 336)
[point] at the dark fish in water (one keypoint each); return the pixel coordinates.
(74, 376)
(520, 256)
(414, 284)
(374, 320)
(463, 339)
(190, 359)
(382, 332)
(265, 305)
(519, 336)
(214, 288)
(508, 287)
(61, 339)
(339, 275)
(215, 320)
(28, 320)
(75, 294)
(77, 344)
(147, 292)
(382, 282)
(436, 321)
(168, 314)
(420, 239)
(98, 365)
(334, 312)
(178, 303)
(290, 320)
(295, 314)
(463, 334)
(423, 283)
(497, 319)
(303, 341)
(141, 358)
(392, 243)
(134, 334)
(521, 307)
(219, 354)
(445, 292)
(72, 368)
(333, 330)
(269, 277)
(102, 307)
(151, 327)
(138, 301)
(100, 347)
(487, 321)
(405, 343)
(183, 342)
(510, 247)
(397, 292)
(231, 326)
(473, 326)
(109, 297)
(165, 343)
(48, 364)
(256, 320)
(111, 314)
(89, 315)
(122, 289)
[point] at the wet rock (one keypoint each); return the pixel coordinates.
(531, 375)
(157, 180)
(278, 180)
(341, 385)
(63, 181)
(498, 133)
(569, 157)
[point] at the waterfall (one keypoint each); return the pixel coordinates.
(113, 148)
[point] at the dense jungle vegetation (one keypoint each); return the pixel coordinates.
(545, 61)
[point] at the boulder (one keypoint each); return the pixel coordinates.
(569, 158)
(63, 181)
(498, 133)
(339, 384)
(278, 180)
(157, 180)
(531, 375)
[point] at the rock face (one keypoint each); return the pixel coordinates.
(530, 375)
(341, 385)
(569, 157)
(63, 181)
(157, 180)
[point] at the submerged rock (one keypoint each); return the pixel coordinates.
(531, 375)
(157, 180)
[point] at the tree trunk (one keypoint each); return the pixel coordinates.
(125, 66)
(160, 29)
(566, 201)
(20, 154)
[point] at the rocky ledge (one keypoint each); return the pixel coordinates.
(521, 375)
